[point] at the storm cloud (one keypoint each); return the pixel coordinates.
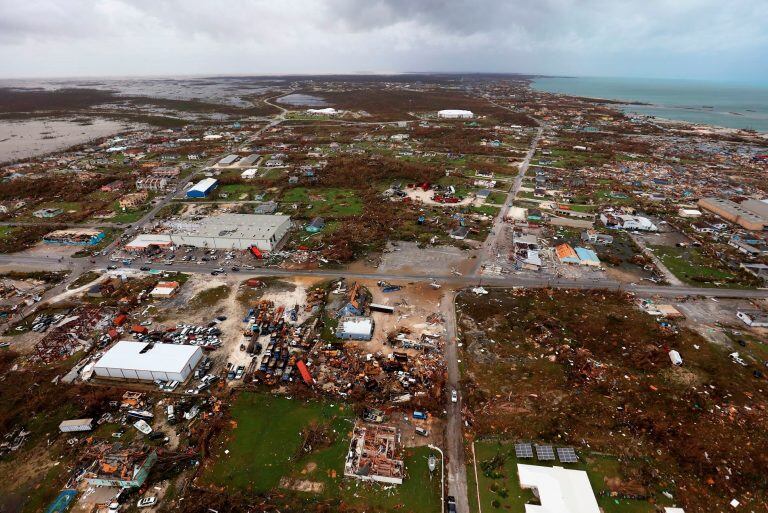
(675, 38)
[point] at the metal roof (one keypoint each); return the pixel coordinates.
(170, 358)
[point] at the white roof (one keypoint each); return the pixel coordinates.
(674, 510)
(171, 358)
(327, 110)
(248, 173)
(455, 112)
(235, 226)
(204, 184)
(560, 490)
(357, 325)
(145, 240)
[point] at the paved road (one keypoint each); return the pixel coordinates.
(486, 251)
(454, 437)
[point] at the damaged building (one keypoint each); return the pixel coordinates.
(375, 454)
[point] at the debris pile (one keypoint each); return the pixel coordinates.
(71, 333)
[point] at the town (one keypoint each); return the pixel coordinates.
(381, 293)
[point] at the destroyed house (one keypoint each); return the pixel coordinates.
(374, 454)
(127, 468)
(74, 237)
(355, 302)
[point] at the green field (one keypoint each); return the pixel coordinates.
(236, 191)
(330, 202)
(264, 454)
(497, 197)
(499, 484)
(693, 267)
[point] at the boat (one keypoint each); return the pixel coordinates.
(142, 426)
(432, 462)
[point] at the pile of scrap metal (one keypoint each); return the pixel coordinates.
(377, 377)
(13, 440)
(115, 465)
(315, 299)
(277, 344)
(72, 334)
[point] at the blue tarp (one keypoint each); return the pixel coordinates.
(587, 255)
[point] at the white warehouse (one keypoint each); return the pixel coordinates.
(148, 362)
(226, 231)
(455, 114)
(233, 231)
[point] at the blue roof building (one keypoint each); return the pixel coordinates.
(202, 188)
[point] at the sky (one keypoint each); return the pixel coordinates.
(696, 39)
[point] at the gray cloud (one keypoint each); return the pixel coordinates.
(705, 38)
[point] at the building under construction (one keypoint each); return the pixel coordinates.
(375, 454)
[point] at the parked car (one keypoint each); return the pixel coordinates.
(454, 396)
(450, 504)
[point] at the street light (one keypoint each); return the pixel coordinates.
(442, 475)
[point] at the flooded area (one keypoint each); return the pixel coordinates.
(225, 90)
(302, 100)
(31, 138)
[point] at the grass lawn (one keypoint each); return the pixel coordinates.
(500, 489)
(497, 197)
(235, 191)
(490, 210)
(128, 216)
(209, 297)
(265, 449)
(693, 267)
(330, 202)
(417, 494)
(582, 208)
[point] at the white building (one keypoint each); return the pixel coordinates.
(328, 111)
(226, 231)
(233, 231)
(148, 362)
(355, 328)
(248, 174)
(627, 222)
(559, 490)
(455, 114)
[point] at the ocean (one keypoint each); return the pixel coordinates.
(710, 103)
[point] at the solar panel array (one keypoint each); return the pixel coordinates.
(545, 452)
(567, 455)
(523, 451)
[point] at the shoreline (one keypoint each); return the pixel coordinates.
(627, 104)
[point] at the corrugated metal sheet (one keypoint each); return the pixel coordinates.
(304, 371)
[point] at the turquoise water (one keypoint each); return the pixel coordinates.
(710, 103)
